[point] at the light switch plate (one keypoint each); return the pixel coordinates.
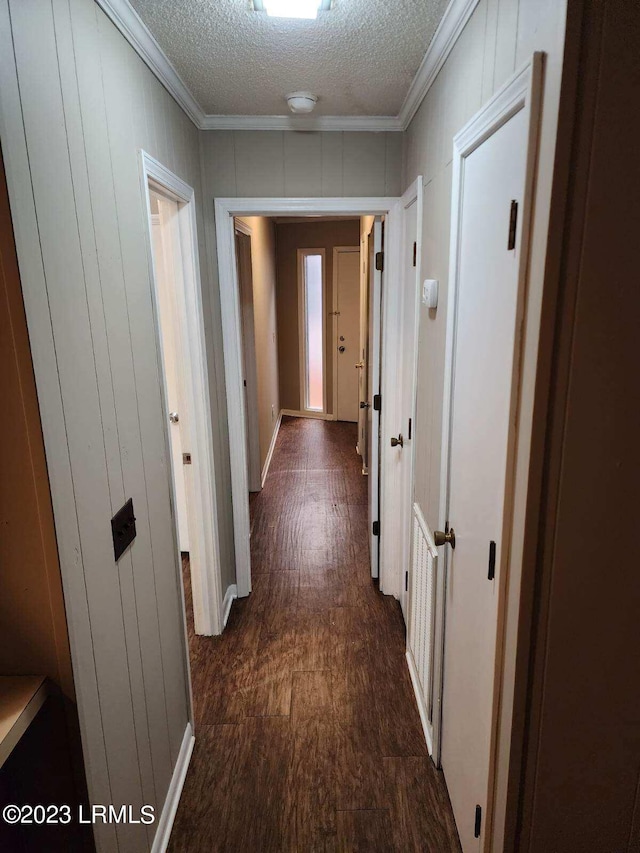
(430, 292)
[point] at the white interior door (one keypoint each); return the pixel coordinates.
(163, 251)
(410, 270)
(373, 389)
(363, 372)
(346, 281)
(485, 294)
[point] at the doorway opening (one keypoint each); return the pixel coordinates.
(177, 301)
(307, 343)
(381, 406)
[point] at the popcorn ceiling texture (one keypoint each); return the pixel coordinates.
(359, 58)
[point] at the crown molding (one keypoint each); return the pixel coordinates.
(285, 122)
(453, 22)
(135, 31)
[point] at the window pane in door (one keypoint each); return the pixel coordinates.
(313, 331)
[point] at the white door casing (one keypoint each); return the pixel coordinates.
(494, 158)
(225, 210)
(203, 518)
(346, 338)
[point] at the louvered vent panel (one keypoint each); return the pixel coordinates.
(422, 592)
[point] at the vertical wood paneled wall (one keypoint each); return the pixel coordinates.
(499, 37)
(76, 105)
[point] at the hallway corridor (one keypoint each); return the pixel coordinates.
(307, 732)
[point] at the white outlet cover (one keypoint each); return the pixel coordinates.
(430, 292)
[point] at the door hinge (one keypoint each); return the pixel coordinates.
(244, 382)
(415, 253)
(478, 823)
(410, 426)
(377, 402)
(376, 528)
(379, 261)
(406, 581)
(492, 560)
(513, 222)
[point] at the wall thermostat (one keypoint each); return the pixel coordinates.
(430, 292)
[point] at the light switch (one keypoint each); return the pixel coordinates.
(430, 292)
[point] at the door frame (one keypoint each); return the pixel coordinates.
(334, 313)
(205, 572)
(522, 91)
(301, 254)
(225, 210)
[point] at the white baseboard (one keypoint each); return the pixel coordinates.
(426, 725)
(322, 416)
(165, 822)
(230, 594)
(267, 461)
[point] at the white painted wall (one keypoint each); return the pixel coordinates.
(76, 104)
(263, 263)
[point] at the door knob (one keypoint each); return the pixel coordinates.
(341, 349)
(397, 442)
(445, 537)
(174, 417)
(364, 404)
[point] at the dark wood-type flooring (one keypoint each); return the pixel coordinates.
(307, 732)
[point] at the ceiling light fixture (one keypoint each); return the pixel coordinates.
(307, 9)
(302, 102)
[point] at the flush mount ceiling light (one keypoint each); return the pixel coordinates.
(302, 102)
(292, 8)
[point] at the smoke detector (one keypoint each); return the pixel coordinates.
(302, 102)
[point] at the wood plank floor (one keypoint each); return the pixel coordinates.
(307, 732)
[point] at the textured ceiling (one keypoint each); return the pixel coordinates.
(359, 58)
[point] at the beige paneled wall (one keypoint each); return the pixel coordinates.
(256, 163)
(290, 238)
(76, 105)
(499, 37)
(263, 268)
